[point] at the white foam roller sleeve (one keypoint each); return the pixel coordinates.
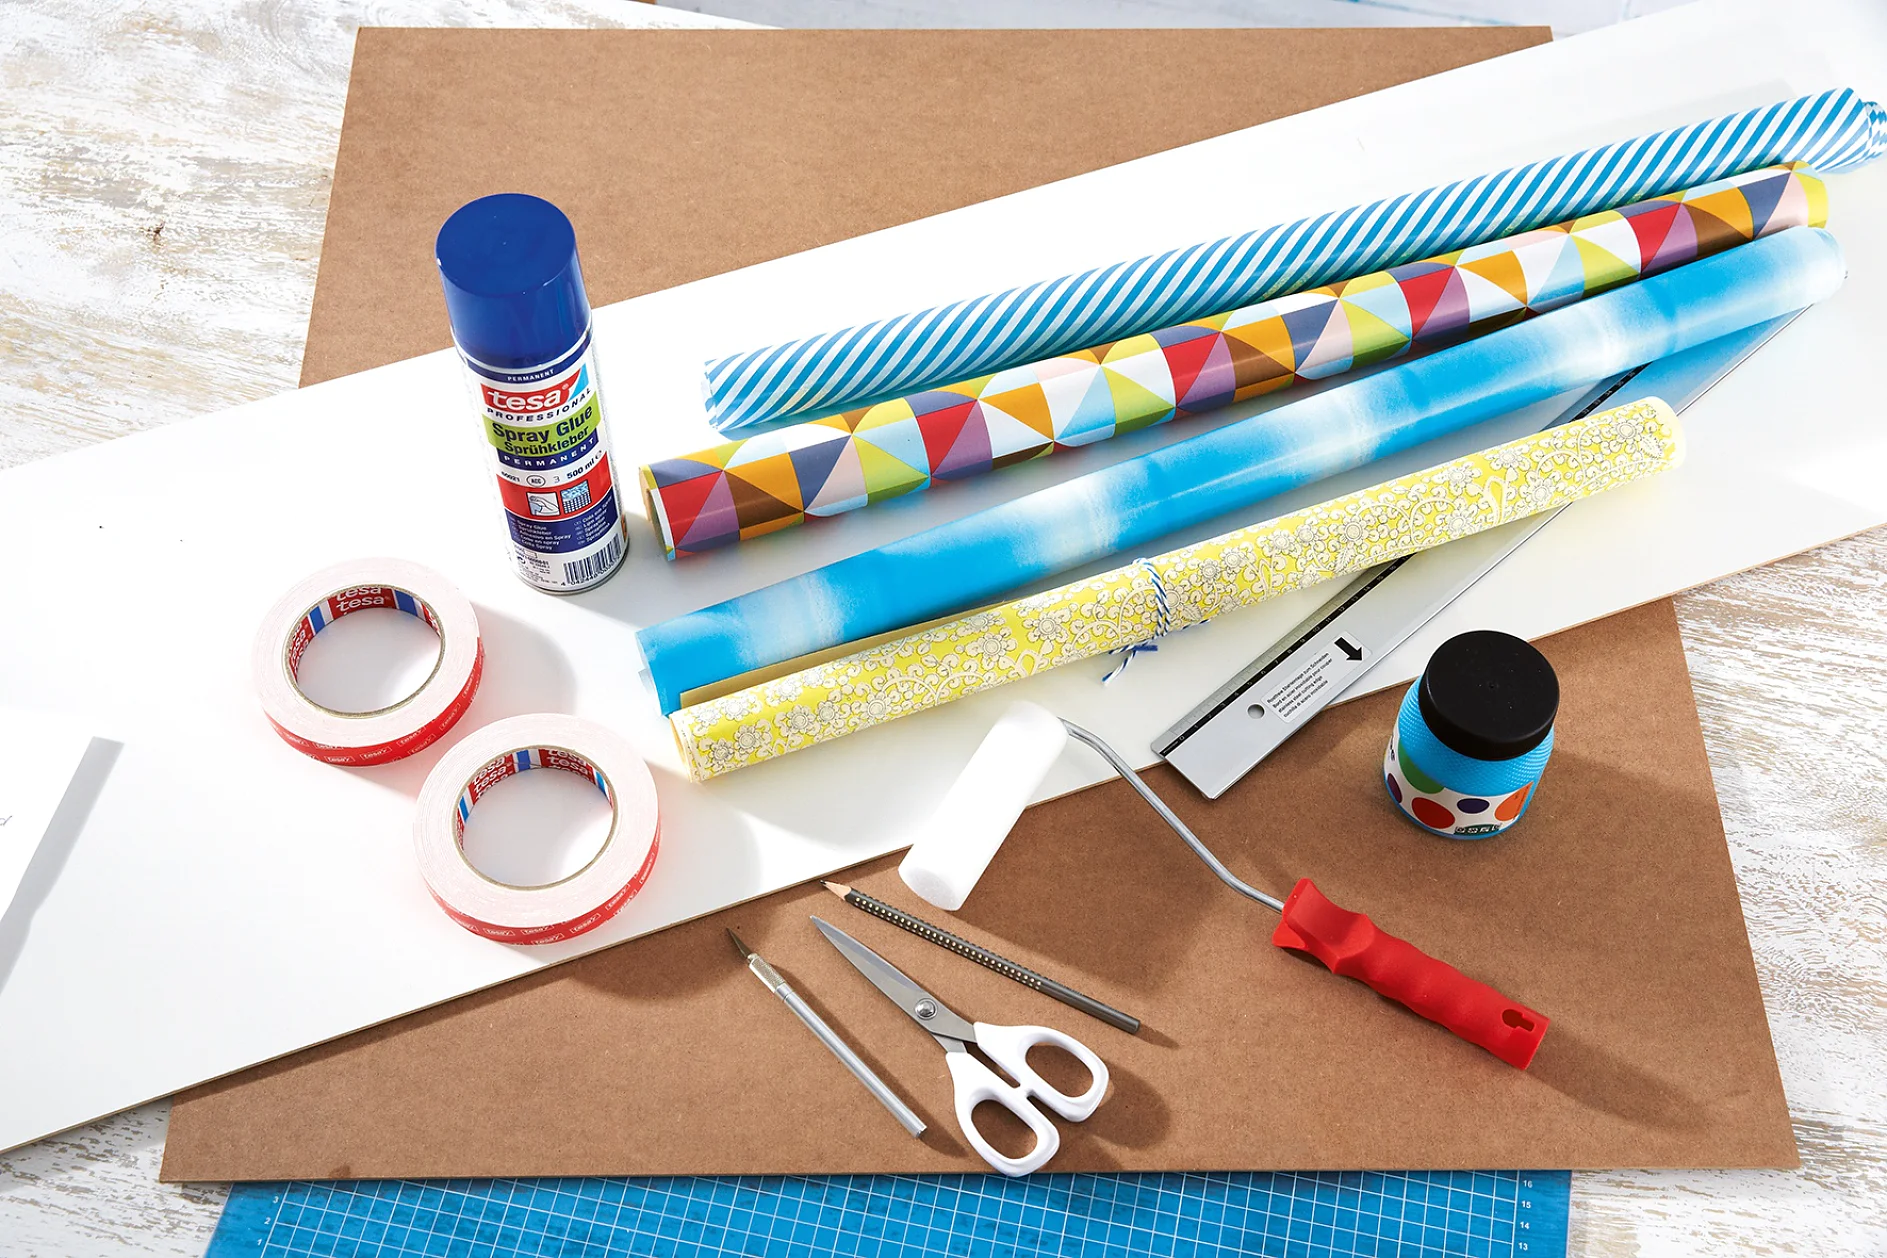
(559, 910)
(399, 729)
(956, 843)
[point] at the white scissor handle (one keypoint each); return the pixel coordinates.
(1008, 1047)
(976, 1083)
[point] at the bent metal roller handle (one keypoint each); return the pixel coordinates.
(1351, 945)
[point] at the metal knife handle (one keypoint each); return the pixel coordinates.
(841, 1050)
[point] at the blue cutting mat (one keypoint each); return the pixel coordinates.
(1486, 1214)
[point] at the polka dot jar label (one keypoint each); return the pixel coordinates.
(1441, 811)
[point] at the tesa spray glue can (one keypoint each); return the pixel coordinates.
(521, 321)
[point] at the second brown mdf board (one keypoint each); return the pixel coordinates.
(1613, 908)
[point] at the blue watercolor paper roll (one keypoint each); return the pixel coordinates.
(971, 561)
(1831, 131)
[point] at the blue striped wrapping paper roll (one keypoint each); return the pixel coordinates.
(973, 560)
(1833, 131)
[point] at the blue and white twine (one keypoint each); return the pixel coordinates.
(1162, 622)
(873, 361)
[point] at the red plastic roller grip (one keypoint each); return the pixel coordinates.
(1351, 945)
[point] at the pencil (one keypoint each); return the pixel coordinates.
(987, 959)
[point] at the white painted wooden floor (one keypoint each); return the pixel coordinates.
(164, 174)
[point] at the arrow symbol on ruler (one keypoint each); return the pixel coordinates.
(1348, 648)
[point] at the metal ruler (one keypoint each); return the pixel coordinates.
(1320, 660)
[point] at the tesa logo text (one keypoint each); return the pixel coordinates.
(546, 399)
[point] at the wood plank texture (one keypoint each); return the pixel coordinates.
(163, 180)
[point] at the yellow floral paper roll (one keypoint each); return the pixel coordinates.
(1138, 602)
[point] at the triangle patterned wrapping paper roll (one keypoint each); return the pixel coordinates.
(760, 484)
(1133, 604)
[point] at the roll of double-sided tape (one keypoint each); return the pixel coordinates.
(399, 729)
(558, 910)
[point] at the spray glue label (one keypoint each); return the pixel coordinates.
(549, 446)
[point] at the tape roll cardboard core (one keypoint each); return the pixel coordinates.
(512, 764)
(578, 902)
(395, 730)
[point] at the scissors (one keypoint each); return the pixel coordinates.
(1007, 1046)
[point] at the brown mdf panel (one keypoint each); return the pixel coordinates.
(680, 154)
(1613, 908)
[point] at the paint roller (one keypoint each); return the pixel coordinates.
(960, 837)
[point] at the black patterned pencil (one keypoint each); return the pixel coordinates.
(987, 959)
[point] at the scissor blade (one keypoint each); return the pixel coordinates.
(924, 1009)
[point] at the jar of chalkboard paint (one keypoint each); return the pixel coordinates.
(1473, 735)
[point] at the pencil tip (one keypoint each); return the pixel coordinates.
(838, 888)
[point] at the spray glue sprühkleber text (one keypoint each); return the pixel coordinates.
(521, 320)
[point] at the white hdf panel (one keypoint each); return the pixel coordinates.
(226, 901)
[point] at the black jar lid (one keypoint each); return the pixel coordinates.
(1489, 695)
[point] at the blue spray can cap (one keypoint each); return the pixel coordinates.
(514, 291)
